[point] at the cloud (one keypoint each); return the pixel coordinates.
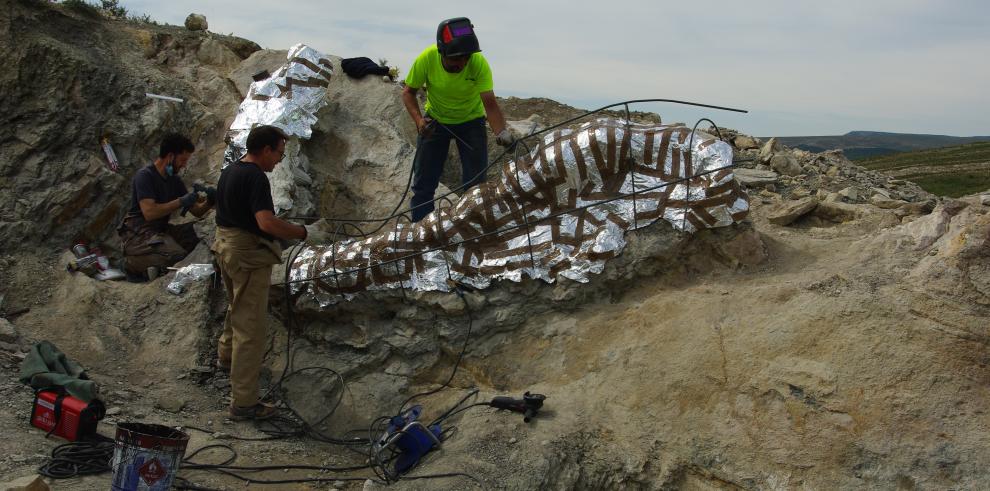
(908, 65)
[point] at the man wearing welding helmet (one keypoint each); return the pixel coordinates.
(459, 95)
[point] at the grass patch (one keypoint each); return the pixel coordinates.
(972, 153)
(953, 185)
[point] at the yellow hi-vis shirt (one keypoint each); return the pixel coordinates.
(451, 98)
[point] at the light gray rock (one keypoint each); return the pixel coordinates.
(883, 192)
(769, 149)
(743, 142)
(985, 199)
(917, 208)
(837, 211)
(197, 22)
(213, 52)
(884, 202)
(7, 332)
(753, 178)
(787, 213)
(260, 61)
(171, 404)
(785, 164)
(26, 483)
(849, 194)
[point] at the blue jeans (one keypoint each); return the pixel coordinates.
(431, 152)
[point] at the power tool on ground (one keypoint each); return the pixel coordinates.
(410, 437)
(529, 405)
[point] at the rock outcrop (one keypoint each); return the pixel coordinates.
(74, 80)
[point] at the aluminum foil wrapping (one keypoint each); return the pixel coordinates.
(288, 99)
(560, 211)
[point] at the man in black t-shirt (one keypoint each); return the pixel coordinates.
(246, 250)
(147, 239)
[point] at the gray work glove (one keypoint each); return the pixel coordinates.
(316, 234)
(504, 138)
(188, 201)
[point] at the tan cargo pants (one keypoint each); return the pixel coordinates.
(246, 262)
(143, 247)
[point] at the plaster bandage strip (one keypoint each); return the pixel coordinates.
(484, 236)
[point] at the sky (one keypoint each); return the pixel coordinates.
(798, 67)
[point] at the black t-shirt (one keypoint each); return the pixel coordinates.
(242, 191)
(148, 183)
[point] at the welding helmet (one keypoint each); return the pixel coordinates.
(455, 37)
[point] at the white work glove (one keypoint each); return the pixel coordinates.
(504, 138)
(315, 233)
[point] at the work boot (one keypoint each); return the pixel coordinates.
(258, 411)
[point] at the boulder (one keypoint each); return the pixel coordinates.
(753, 178)
(884, 202)
(839, 212)
(213, 52)
(769, 148)
(849, 194)
(743, 142)
(918, 208)
(197, 22)
(883, 192)
(785, 164)
(787, 213)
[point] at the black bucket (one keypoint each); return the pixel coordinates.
(147, 457)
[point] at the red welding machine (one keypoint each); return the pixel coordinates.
(65, 416)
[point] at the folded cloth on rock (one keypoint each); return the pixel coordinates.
(361, 66)
(46, 367)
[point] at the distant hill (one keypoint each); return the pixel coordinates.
(858, 145)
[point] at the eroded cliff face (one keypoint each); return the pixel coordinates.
(71, 80)
(837, 339)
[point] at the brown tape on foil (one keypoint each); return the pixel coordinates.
(525, 221)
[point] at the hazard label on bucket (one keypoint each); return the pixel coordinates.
(152, 471)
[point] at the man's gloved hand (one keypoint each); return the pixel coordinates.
(426, 127)
(209, 191)
(188, 201)
(315, 232)
(504, 138)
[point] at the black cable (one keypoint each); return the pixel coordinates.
(451, 414)
(226, 468)
(79, 459)
(445, 415)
